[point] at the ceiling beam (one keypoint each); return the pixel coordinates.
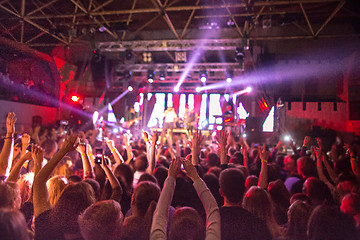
(166, 17)
(34, 24)
(42, 7)
(332, 15)
(128, 20)
(307, 19)
(189, 20)
(184, 8)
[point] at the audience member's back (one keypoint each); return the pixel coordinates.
(236, 222)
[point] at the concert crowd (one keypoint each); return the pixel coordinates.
(58, 183)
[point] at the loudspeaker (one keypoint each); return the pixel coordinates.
(254, 129)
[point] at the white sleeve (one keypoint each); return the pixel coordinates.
(213, 227)
(160, 218)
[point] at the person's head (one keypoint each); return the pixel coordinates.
(212, 160)
(144, 194)
(306, 167)
(317, 191)
(10, 195)
(95, 186)
(298, 216)
(148, 177)
(279, 194)
(215, 170)
(101, 220)
(290, 165)
(232, 186)
(251, 180)
(55, 186)
(124, 173)
(212, 182)
(328, 222)
(141, 163)
(300, 196)
(161, 173)
(13, 225)
(74, 199)
(50, 148)
(25, 183)
(350, 204)
(187, 224)
(258, 202)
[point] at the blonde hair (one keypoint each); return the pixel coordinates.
(55, 186)
(258, 202)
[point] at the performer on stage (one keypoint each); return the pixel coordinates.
(189, 120)
(170, 118)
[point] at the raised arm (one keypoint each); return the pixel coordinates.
(195, 148)
(15, 171)
(306, 144)
(126, 140)
(355, 163)
(319, 165)
(6, 154)
(264, 156)
(213, 230)
(88, 169)
(114, 182)
(111, 145)
(329, 169)
(151, 167)
(40, 194)
(160, 217)
(25, 141)
(223, 148)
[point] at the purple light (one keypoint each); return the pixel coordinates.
(203, 79)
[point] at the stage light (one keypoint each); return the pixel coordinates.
(151, 74)
(130, 88)
(176, 89)
(203, 74)
(128, 54)
(287, 138)
(198, 89)
(147, 57)
(229, 75)
(239, 57)
(162, 75)
(115, 130)
(244, 135)
(248, 89)
(95, 117)
(75, 98)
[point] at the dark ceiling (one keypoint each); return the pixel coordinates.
(44, 24)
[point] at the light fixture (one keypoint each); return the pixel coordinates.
(176, 89)
(128, 54)
(162, 75)
(198, 89)
(147, 57)
(203, 75)
(130, 88)
(239, 57)
(151, 74)
(229, 75)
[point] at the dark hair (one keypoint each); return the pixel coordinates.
(328, 222)
(73, 201)
(213, 160)
(161, 174)
(49, 146)
(9, 195)
(306, 167)
(298, 216)
(187, 224)
(13, 225)
(144, 194)
(147, 177)
(232, 184)
(124, 173)
(141, 163)
(95, 186)
(212, 182)
(317, 191)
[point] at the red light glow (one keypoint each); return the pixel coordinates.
(75, 98)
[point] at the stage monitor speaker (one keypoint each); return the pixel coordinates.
(254, 129)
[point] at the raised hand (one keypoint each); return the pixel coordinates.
(307, 140)
(155, 138)
(126, 139)
(25, 139)
(145, 135)
(82, 148)
(10, 124)
(222, 139)
(195, 146)
(110, 143)
(264, 155)
(37, 154)
(319, 142)
(175, 167)
(70, 143)
(190, 170)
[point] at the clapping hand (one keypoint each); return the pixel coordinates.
(10, 124)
